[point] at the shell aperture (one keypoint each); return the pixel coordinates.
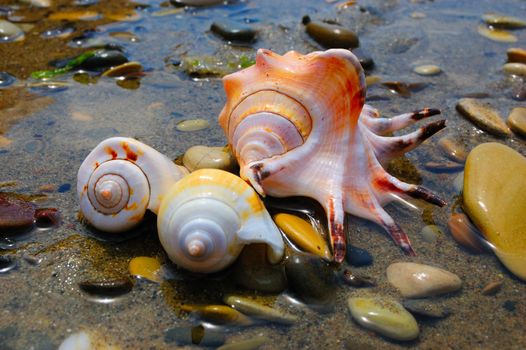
(120, 179)
(338, 160)
(208, 216)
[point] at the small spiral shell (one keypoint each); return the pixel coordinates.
(207, 218)
(120, 179)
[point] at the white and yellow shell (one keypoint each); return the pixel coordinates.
(207, 217)
(120, 179)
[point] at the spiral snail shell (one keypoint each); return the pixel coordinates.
(298, 126)
(120, 179)
(208, 216)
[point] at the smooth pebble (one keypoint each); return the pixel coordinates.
(515, 68)
(357, 256)
(192, 125)
(10, 31)
(492, 287)
(146, 267)
(453, 149)
(494, 199)
(301, 233)
(503, 21)
(430, 233)
(218, 314)
(484, 116)
(517, 121)
(233, 31)
(427, 69)
(384, 316)
(204, 157)
(123, 69)
(463, 231)
(419, 281)
(198, 335)
(15, 214)
(516, 54)
(497, 34)
(251, 307)
(331, 35)
(106, 288)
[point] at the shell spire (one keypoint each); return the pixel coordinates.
(298, 126)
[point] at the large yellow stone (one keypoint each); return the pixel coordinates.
(301, 233)
(146, 267)
(495, 199)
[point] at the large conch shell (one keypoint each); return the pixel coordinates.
(120, 179)
(298, 126)
(207, 218)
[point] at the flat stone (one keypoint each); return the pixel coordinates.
(331, 35)
(233, 31)
(517, 121)
(484, 116)
(146, 268)
(497, 34)
(515, 68)
(192, 125)
(301, 233)
(384, 316)
(15, 214)
(427, 69)
(503, 21)
(251, 307)
(204, 157)
(419, 281)
(494, 188)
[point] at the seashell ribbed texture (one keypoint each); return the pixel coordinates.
(208, 216)
(298, 126)
(120, 179)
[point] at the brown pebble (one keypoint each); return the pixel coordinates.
(453, 149)
(516, 54)
(107, 288)
(15, 214)
(492, 288)
(517, 121)
(464, 233)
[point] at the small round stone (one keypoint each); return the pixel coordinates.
(193, 125)
(204, 157)
(233, 31)
(515, 68)
(357, 256)
(419, 281)
(516, 54)
(10, 31)
(427, 69)
(430, 233)
(517, 121)
(384, 316)
(496, 34)
(331, 35)
(484, 116)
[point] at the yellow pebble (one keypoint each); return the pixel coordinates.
(303, 234)
(146, 267)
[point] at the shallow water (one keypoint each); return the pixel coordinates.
(45, 135)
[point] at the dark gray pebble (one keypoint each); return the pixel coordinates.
(105, 288)
(104, 59)
(311, 279)
(331, 36)
(233, 31)
(7, 263)
(366, 61)
(357, 256)
(6, 79)
(426, 308)
(198, 335)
